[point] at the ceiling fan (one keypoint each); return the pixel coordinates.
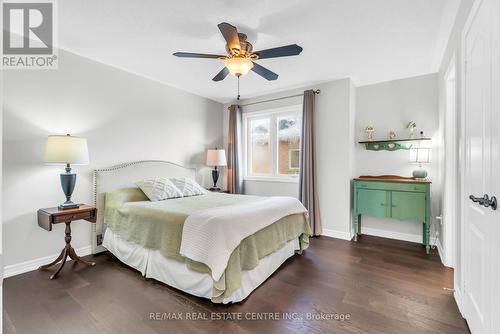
(240, 59)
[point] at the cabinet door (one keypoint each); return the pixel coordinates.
(408, 206)
(373, 202)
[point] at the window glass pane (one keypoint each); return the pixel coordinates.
(259, 145)
(289, 129)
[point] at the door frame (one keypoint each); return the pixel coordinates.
(460, 284)
(450, 194)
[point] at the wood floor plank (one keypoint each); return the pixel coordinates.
(385, 286)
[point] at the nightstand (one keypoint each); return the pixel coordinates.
(218, 191)
(49, 216)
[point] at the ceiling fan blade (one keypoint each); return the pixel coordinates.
(221, 75)
(197, 55)
(230, 34)
(264, 72)
(282, 51)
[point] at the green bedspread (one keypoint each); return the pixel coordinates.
(158, 225)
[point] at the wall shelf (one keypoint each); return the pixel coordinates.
(391, 144)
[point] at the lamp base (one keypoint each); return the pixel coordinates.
(68, 181)
(420, 174)
(68, 205)
(215, 178)
(214, 189)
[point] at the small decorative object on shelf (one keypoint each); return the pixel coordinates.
(421, 134)
(411, 126)
(369, 132)
(392, 134)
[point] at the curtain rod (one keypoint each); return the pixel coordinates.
(315, 91)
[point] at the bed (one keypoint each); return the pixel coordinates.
(215, 245)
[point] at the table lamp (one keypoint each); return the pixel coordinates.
(420, 155)
(216, 157)
(67, 150)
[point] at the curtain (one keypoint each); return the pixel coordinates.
(234, 168)
(308, 193)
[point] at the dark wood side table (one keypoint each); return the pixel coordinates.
(49, 216)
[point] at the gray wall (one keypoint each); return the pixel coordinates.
(125, 118)
(390, 106)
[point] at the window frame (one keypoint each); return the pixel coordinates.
(290, 150)
(271, 114)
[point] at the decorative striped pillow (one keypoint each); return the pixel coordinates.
(188, 186)
(159, 189)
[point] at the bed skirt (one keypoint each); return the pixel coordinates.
(174, 273)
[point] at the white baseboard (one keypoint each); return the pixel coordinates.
(459, 300)
(441, 254)
(391, 234)
(24, 267)
(337, 234)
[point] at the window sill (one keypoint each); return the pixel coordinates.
(272, 179)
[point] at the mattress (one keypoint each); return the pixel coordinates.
(152, 264)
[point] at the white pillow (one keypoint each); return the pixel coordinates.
(188, 186)
(159, 189)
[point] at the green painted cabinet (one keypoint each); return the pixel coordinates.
(408, 206)
(393, 197)
(374, 202)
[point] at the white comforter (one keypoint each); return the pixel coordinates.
(210, 236)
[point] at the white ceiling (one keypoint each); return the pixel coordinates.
(368, 40)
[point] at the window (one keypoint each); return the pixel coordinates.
(272, 143)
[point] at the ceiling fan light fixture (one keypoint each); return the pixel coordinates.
(238, 66)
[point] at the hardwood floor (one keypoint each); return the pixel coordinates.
(386, 286)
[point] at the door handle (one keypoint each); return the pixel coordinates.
(485, 201)
(479, 200)
(493, 202)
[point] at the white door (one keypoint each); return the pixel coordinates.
(495, 168)
(481, 169)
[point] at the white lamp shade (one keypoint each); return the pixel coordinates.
(420, 155)
(238, 65)
(216, 158)
(66, 150)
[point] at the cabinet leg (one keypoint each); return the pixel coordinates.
(357, 226)
(427, 236)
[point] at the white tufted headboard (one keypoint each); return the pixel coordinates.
(125, 176)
